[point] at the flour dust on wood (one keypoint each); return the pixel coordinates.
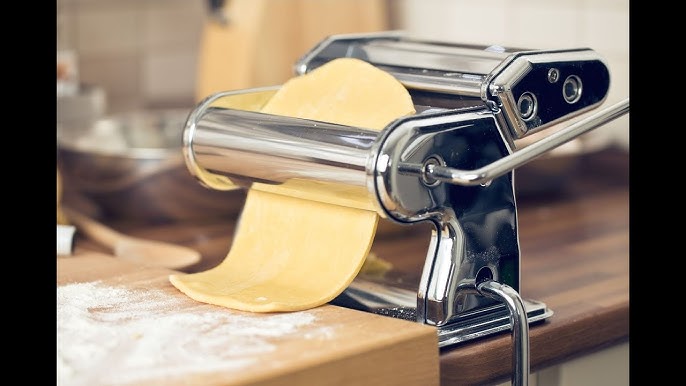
(109, 335)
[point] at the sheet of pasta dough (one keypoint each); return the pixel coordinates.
(291, 254)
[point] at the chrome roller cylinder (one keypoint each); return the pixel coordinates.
(227, 146)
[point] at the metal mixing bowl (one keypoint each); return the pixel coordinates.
(131, 166)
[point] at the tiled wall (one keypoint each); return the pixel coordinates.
(144, 52)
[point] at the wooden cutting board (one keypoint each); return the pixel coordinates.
(123, 323)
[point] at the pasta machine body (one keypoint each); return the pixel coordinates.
(451, 164)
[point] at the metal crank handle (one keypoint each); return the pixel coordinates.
(481, 176)
(519, 324)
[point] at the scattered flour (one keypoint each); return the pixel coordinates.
(111, 335)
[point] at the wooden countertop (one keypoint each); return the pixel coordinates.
(574, 240)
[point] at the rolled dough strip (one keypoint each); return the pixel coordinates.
(291, 254)
(347, 91)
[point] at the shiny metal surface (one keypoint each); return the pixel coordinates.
(228, 147)
(387, 297)
(528, 73)
(434, 67)
(520, 327)
(451, 165)
(475, 228)
(512, 161)
(495, 75)
(397, 173)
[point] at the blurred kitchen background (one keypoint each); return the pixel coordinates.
(148, 54)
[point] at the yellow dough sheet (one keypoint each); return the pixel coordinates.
(289, 253)
(347, 91)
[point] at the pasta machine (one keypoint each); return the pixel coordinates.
(451, 164)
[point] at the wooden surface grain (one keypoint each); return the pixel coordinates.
(338, 348)
(574, 239)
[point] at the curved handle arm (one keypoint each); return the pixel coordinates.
(519, 325)
(480, 176)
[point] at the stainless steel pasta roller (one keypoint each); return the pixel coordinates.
(451, 164)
